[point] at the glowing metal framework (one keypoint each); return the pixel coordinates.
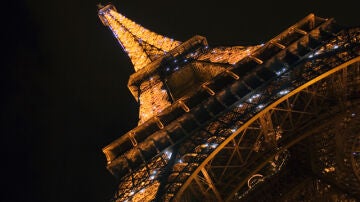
(240, 120)
(142, 45)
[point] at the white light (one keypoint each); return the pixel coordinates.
(353, 114)
(168, 154)
(176, 68)
(206, 145)
(240, 105)
(167, 69)
(260, 106)
(281, 71)
(310, 56)
(283, 92)
(142, 190)
(185, 60)
(163, 91)
(132, 193)
(336, 47)
(152, 176)
(262, 44)
(214, 145)
(175, 60)
(180, 161)
(253, 97)
(233, 130)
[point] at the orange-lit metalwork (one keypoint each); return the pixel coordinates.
(278, 121)
(142, 45)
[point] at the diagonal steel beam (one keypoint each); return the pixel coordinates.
(211, 185)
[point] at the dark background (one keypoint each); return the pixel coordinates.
(64, 80)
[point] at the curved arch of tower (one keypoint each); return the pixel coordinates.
(274, 122)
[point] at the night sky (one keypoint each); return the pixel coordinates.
(64, 81)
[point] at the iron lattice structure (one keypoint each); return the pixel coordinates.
(278, 121)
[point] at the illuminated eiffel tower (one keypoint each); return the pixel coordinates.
(275, 122)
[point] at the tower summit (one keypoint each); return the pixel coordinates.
(276, 121)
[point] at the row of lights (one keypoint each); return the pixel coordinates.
(167, 69)
(281, 71)
(284, 92)
(253, 97)
(212, 145)
(319, 52)
(152, 176)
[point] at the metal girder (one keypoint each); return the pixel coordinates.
(278, 102)
(215, 125)
(308, 111)
(211, 184)
(270, 134)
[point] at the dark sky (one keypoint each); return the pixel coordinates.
(65, 76)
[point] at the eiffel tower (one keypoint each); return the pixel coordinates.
(278, 121)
